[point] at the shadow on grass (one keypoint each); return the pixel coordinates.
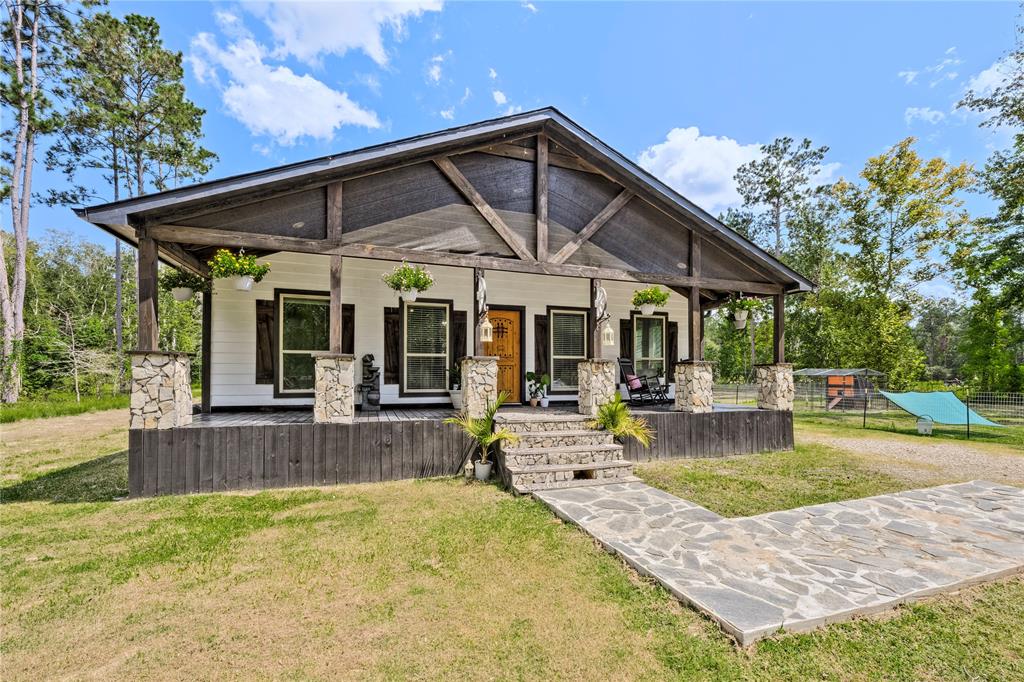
(97, 480)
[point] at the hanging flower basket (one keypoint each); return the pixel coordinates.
(240, 267)
(408, 280)
(182, 285)
(740, 308)
(650, 298)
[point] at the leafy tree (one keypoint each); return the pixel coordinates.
(906, 207)
(937, 332)
(778, 181)
(991, 344)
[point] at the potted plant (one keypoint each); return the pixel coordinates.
(455, 386)
(537, 384)
(615, 418)
(650, 298)
(481, 429)
(408, 280)
(740, 309)
(240, 266)
(182, 285)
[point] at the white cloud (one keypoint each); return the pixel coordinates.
(908, 76)
(434, 67)
(274, 100)
(492, 73)
(926, 114)
(530, 6)
(701, 167)
(995, 76)
(447, 114)
(309, 30)
(941, 71)
(499, 97)
(513, 109)
(465, 96)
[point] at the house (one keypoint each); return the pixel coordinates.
(529, 224)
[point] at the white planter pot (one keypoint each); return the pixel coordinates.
(482, 471)
(182, 293)
(924, 426)
(244, 283)
(647, 309)
(740, 315)
(410, 296)
(456, 396)
(544, 401)
(739, 324)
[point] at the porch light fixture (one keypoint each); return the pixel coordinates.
(607, 335)
(486, 330)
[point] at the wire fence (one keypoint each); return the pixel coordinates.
(1004, 408)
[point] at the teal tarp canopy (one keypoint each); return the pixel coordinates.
(942, 406)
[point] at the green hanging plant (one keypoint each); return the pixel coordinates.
(655, 296)
(407, 277)
(171, 278)
(227, 264)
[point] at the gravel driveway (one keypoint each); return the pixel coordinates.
(928, 461)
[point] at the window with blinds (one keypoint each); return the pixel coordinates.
(649, 345)
(303, 330)
(568, 334)
(426, 347)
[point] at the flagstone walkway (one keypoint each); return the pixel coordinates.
(798, 569)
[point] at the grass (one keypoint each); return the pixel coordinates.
(425, 579)
(59, 405)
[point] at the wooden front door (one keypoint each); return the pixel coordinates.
(506, 347)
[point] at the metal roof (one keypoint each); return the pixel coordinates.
(117, 216)
(857, 372)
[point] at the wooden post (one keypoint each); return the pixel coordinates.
(149, 329)
(779, 334)
(595, 324)
(335, 311)
(542, 198)
(207, 350)
(695, 330)
(479, 303)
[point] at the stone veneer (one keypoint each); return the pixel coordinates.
(334, 400)
(775, 389)
(597, 384)
(161, 390)
(694, 386)
(479, 384)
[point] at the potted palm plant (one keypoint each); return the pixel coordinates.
(615, 418)
(481, 429)
(408, 280)
(650, 298)
(240, 266)
(536, 385)
(182, 285)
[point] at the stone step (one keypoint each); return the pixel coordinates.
(530, 478)
(551, 421)
(561, 438)
(575, 483)
(559, 455)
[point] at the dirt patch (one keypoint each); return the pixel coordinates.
(927, 462)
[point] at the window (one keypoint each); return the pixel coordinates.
(426, 347)
(649, 345)
(568, 347)
(303, 330)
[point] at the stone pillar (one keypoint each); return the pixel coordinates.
(479, 383)
(694, 386)
(597, 384)
(775, 388)
(334, 393)
(161, 390)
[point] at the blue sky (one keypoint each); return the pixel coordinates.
(689, 90)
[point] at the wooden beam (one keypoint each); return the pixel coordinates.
(694, 325)
(541, 193)
(184, 259)
(489, 214)
(228, 238)
(514, 151)
(599, 221)
(595, 325)
(334, 211)
(207, 351)
(149, 329)
(335, 307)
(779, 333)
(478, 280)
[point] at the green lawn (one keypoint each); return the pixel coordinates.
(851, 423)
(59, 405)
(427, 579)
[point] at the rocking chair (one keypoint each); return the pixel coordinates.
(643, 390)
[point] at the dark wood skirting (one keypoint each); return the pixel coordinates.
(220, 453)
(713, 434)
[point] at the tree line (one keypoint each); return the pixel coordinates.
(102, 101)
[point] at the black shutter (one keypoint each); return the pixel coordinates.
(540, 344)
(392, 345)
(348, 328)
(625, 339)
(459, 331)
(265, 350)
(672, 342)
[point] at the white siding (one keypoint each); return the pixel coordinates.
(233, 369)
